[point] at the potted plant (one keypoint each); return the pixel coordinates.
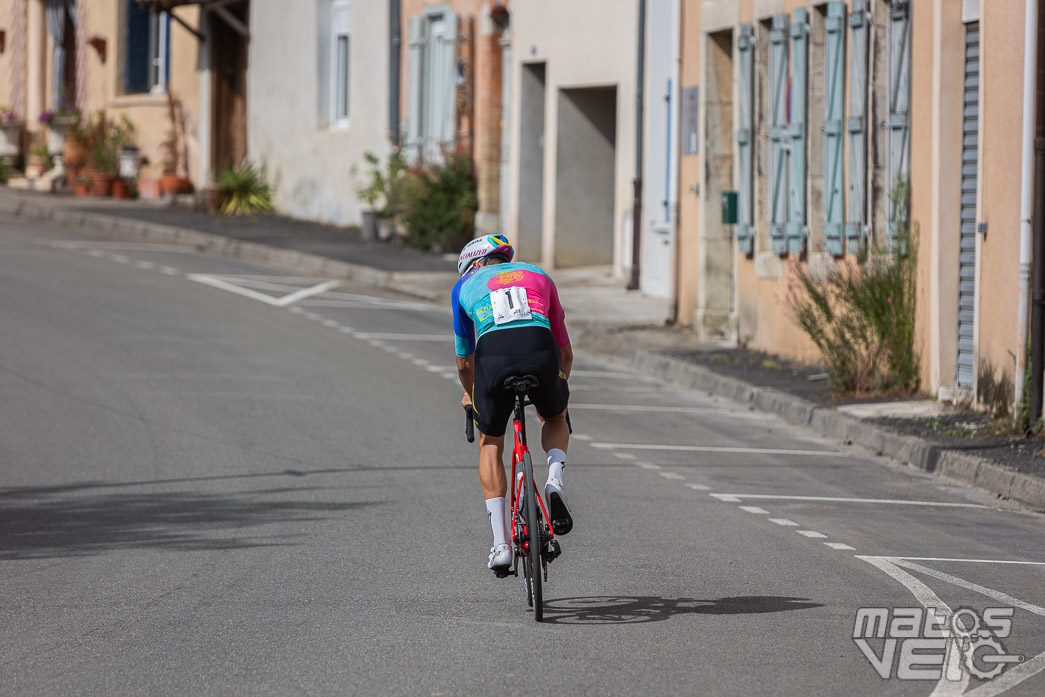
(381, 190)
(74, 154)
(148, 180)
(121, 188)
(39, 159)
(103, 138)
(82, 185)
(10, 133)
(245, 189)
(173, 181)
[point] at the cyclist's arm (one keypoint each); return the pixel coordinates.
(566, 359)
(466, 374)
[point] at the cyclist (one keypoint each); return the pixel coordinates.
(508, 322)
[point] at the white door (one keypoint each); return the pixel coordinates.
(661, 161)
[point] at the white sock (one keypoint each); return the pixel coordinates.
(495, 510)
(556, 463)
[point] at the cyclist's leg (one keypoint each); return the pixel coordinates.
(491, 466)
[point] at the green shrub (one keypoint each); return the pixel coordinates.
(861, 317)
(437, 202)
(245, 189)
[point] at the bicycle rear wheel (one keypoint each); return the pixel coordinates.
(533, 528)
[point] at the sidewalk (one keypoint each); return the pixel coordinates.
(604, 319)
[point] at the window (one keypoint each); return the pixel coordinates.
(432, 83)
(339, 70)
(146, 59)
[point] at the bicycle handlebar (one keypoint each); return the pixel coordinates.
(469, 425)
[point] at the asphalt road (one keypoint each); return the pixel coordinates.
(216, 479)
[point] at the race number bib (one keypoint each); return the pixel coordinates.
(509, 304)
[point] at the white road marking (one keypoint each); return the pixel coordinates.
(971, 561)
(839, 545)
(982, 590)
(297, 310)
(169, 270)
(343, 330)
(390, 336)
(331, 323)
(658, 408)
(606, 374)
(755, 509)
(671, 475)
(355, 305)
(716, 449)
(725, 498)
(838, 499)
(623, 456)
(578, 436)
(142, 264)
(313, 316)
(119, 258)
(647, 465)
(811, 533)
(307, 293)
(784, 522)
(284, 301)
(699, 487)
(96, 253)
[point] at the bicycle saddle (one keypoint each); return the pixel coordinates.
(521, 383)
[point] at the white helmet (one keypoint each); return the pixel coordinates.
(482, 247)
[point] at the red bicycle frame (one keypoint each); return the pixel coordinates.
(517, 456)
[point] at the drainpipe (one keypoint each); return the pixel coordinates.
(1037, 324)
(394, 56)
(1026, 191)
(636, 206)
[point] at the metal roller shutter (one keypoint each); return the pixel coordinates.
(970, 165)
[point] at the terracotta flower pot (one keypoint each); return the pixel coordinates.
(81, 188)
(173, 184)
(149, 188)
(74, 154)
(102, 184)
(121, 188)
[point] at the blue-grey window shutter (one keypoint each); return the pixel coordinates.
(778, 134)
(745, 99)
(449, 48)
(834, 113)
(898, 165)
(856, 125)
(797, 117)
(136, 42)
(414, 138)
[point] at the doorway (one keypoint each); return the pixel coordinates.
(228, 60)
(586, 157)
(531, 162)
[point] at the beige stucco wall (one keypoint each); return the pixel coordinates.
(585, 43)
(309, 163)
(1001, 127)
(690, 173)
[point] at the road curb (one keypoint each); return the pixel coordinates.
(970, 469)
(288, 259)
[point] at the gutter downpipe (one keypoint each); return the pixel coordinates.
(395, 42)
(636, 206)
(673, 318)
(1030, 46)
(1037, 322)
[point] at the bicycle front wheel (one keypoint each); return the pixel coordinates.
(533, 529)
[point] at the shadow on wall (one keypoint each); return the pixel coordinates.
(995, 389)
(608, 609)
(76, 521)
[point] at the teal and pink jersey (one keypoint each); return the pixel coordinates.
(476, 294)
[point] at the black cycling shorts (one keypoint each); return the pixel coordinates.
(506, 353)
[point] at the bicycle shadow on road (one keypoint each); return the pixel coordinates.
(612, 609)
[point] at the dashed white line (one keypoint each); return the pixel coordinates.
(313, 315)
(717, 449)
(623, 456)
(390, 336)
(839, 545)
(119, 258)
(142, 264)
(169, 270)
(725, 498)
(784, 522)
(579, 436)
(755, 509)
(330, 323)
(811, 533)
(96, 253)
(297, 310)
(699, 487)
(671, 475)
(647, 465)
(839, 499)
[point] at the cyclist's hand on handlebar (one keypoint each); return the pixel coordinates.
(466, 401)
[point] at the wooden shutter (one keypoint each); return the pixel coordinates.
(856, 126)
(898, 164)
(745, 127)
(797, 117)
(136, 43)
(413, 140)
(778, 134)
(834, 112)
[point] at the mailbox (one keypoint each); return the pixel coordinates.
(729, 207)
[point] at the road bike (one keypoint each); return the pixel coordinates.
(534, 545)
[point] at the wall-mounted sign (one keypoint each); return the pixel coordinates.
(691, 120)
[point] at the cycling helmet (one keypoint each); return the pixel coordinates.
(482, 247)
